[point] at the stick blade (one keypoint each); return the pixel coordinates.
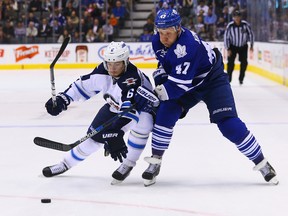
(52, 144)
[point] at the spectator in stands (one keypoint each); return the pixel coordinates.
(31, 32)
(88, 19)
(64, 35)
(76, 37)
(191, 25)
(96, 12)
(114, 22)
(46, 5)
(57, 29)
(152, 14)
(2, 37)
(90, 36)
(108, 31)
(100, 36)
(149, 26)
(44, 30)
(89, 9)
(75, 4)
(225, 14)
(67, 11)
(120, 13)
(100, 4)
(8, 31)
(210, 23)
(20, 31)
(74, 18)
(35, 5)
(85, 3)
(202, 8)
(58, 16)
(146, 36)
(32, 18)
(9, 13)
(159, 5)
(71, 28)
(85, 27)
(95, 26)
(220, 28)
(200, 27)
(186, 12)
(102, 18)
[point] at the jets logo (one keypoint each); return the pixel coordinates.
(130, 81)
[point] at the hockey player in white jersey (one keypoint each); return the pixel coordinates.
(118, 80)
(191, 71)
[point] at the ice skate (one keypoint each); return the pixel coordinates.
(149, 175)
(121, 174)
(54, 170)
(267, 171)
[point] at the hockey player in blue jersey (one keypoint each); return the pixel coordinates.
(190, 71)
(121, 84)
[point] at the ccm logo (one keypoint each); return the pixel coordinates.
(110, 135)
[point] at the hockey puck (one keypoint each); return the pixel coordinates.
(45, 200)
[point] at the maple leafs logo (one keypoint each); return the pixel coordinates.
(180, 51)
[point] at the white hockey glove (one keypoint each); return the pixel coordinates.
(161, 92)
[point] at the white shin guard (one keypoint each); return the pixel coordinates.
(81, 152)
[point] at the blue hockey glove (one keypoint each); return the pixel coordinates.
(159, 76)
(114, 144)
(62, 101)
(145, 99)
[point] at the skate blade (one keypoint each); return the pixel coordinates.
(152, 160)
(148, 183)
(116, 182)
(274, 181)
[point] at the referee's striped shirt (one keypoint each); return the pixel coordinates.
(238, 36)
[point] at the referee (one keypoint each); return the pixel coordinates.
(237, 34)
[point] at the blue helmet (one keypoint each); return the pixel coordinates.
(166, 18)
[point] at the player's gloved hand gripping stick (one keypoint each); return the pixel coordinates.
(52, 79)
(149, 96)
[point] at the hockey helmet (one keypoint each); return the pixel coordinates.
(166, 18)
(116, 52)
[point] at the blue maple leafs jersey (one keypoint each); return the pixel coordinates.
(187, 62)
(115, 91)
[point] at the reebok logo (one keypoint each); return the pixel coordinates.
(109, 135)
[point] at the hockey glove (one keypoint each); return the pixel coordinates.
(145, 99)
(114, 144)
(161, 92)
(62, 101)
(160, 76)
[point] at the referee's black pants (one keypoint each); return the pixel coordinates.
(243, 55)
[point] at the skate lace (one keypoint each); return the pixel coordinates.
(152, 168)
(266, 170)
(58, 168)
(123, 169)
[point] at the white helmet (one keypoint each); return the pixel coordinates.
(115, 52)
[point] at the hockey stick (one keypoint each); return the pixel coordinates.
(66, 147)
(52, 79)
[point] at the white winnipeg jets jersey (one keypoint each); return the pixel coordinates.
(115, 91)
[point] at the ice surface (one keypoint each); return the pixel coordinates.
(202, 173)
